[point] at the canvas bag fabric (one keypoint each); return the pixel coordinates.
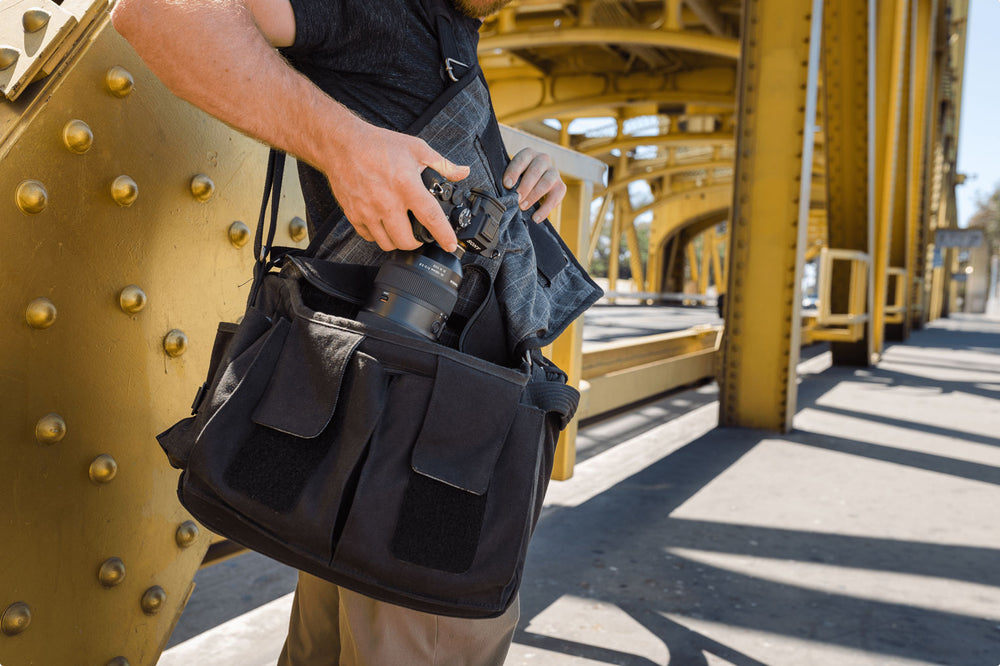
(394, 466)
(391, 465)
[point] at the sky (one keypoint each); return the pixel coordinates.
(979, 129)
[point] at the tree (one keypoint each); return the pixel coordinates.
(987, 216)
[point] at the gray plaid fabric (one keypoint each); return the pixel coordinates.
(535, 308)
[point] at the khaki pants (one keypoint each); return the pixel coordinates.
(332, 626)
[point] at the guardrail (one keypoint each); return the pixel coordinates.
(619, 373)
(844, 326)
(895, 311)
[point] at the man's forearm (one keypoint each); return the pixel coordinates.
(212, 54)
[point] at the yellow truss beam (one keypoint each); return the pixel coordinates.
(708, 15)
(665, 199)
(510, 112)
(678, 40)
(627, 143)
(520, 96)
(663, 172)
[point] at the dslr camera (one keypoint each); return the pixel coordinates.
(417, 290)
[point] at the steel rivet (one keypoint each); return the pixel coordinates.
(175, 343)
(202, 187)
(124, 191)
(298, 229)
(112, 572)
(187, 533)
(119, 81)
(103, 469)
(35, 19)
(8, 56)
(132, 299)
(153, 600)
(40, 313)
(16, 618)
(31, 197)
(118, 661)
(50, 429)
(77, 136)
(239, 234)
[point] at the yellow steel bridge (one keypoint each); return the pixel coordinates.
(727, 144)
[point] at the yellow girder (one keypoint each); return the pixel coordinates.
(663, 200)
(679, 140)
(638, 36)
(778, 72)
(917, 170)
(623, 182)
(508, 111)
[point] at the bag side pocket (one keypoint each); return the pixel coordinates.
(231, 341)
(296, 468)
(445, 503)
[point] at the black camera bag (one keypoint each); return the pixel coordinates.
(388, 464)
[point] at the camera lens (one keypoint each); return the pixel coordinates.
(415, 290)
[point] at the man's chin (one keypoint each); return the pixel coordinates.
(480, 8)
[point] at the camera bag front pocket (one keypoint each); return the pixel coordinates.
(281, 478)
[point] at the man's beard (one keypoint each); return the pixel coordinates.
(480, 8)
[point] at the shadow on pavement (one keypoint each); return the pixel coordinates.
(628, 551)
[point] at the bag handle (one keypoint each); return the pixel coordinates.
(262, 249)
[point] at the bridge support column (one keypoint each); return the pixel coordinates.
(848, 79)
(890, 62)
(900, 266)
(919, 180)
(779, 68)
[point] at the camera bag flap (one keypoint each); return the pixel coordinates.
(302, 395)
(467, 421)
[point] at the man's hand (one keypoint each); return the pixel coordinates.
(539, 180)
(374, 173)
(378, 181)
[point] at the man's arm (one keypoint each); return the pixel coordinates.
(214, 54)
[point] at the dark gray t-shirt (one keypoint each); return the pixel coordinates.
(380, 59)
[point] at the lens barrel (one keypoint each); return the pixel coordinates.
(416, 290)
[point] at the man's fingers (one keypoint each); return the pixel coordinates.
(517, 166)
(364, 233)
(448, 169)
(550, 202)
(538, 178)
(547, 184)
(429, 214)
(380, 236)
(400, 233)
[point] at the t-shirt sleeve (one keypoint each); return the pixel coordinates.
(315, 22)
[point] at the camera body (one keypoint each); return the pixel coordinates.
(474, 215)
(417, 290)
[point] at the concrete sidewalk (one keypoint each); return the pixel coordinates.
(869, 535)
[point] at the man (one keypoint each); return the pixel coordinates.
(218, 55)
(357, 82)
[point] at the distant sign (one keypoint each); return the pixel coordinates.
(959, 238)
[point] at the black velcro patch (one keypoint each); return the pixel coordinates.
(439, 525)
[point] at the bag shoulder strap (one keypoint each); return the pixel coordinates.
(262, 247)
(440, 16)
